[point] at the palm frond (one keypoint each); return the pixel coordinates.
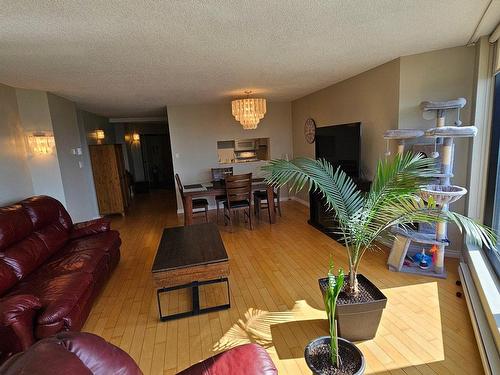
(342, 197)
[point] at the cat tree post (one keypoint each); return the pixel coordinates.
(441, 192)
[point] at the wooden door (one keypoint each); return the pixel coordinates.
(107, 180)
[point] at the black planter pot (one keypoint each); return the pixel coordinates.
(358, 320)
(318, 359)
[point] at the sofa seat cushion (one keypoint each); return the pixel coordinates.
(89, 261)
(58, 294)
(103, 242)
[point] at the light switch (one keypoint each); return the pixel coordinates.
(73, 151)
(80, 164)
(177, 155)
(78, 150)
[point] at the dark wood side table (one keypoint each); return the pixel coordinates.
(189, 257)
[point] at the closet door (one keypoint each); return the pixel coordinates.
(107, 180)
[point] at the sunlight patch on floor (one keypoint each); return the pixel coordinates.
(406, 323)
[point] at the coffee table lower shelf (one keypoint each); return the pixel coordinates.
(196, 299)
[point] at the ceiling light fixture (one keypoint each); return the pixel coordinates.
(249, 111)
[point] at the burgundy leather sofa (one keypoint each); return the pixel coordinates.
(74, 353)
(248, 359)
(51, 270)
(79, 353)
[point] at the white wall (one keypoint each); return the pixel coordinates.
(79, 196)
(440, 75)
(84, 122)
(15, 179)
(44, 169)
(195, 130)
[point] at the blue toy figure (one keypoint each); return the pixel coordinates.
(424, 261)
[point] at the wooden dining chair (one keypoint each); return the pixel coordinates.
(200, 205)
(218, 175)
(238, 197)
(260, 202)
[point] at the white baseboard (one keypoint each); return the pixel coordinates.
(301, 201)
(485, 340)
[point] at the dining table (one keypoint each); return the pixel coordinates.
(216, 188)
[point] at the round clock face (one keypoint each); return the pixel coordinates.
(310, 130)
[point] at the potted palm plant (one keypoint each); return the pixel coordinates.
(364, 219)
(332, 354)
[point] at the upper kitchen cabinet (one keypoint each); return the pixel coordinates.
(243, 150)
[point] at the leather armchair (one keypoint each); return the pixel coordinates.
(248, 359)
(74, 353)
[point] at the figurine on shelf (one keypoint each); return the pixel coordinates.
(423, 260)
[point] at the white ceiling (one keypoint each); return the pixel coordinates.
(131, 58)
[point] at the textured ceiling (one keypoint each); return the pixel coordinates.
(123, 58)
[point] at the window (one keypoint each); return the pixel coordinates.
(492, 207)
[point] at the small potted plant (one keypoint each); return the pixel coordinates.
(332, 354)
(363, 219)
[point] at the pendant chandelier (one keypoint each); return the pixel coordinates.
(249, 111)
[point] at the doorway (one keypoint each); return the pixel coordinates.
(157, 161)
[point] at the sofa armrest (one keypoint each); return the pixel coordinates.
(18, 312)
(90, 227)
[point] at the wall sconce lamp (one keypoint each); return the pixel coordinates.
(40, 143)
(99, 134)
(136, 138)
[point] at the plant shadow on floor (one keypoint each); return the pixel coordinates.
(272, 330)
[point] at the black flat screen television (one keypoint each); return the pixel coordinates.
(341, 146)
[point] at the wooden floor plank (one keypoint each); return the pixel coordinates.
(275, 300)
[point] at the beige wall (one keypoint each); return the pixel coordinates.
(44, 169)
(195, 130)
(440, 75)
(370, 97)
(15, 178)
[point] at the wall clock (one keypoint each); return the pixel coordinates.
(310, 130)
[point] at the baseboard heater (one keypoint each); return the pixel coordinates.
(486, 344)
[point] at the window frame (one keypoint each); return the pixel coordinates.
(492, 175)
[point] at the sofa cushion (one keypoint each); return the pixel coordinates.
(44, 210)
(248, 359)
(7, 277)
(88, 260)
(15, 225)
(59, 294)
(74, 353)
(103, 242)
(25, 256)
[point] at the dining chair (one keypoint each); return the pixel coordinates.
(238, 197)
(200, 205)
(218, 175)
(260, 202)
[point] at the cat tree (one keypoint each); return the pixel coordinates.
(430, 238)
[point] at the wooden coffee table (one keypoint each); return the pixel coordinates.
(189, 257)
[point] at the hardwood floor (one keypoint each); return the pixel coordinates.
(276, 301)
